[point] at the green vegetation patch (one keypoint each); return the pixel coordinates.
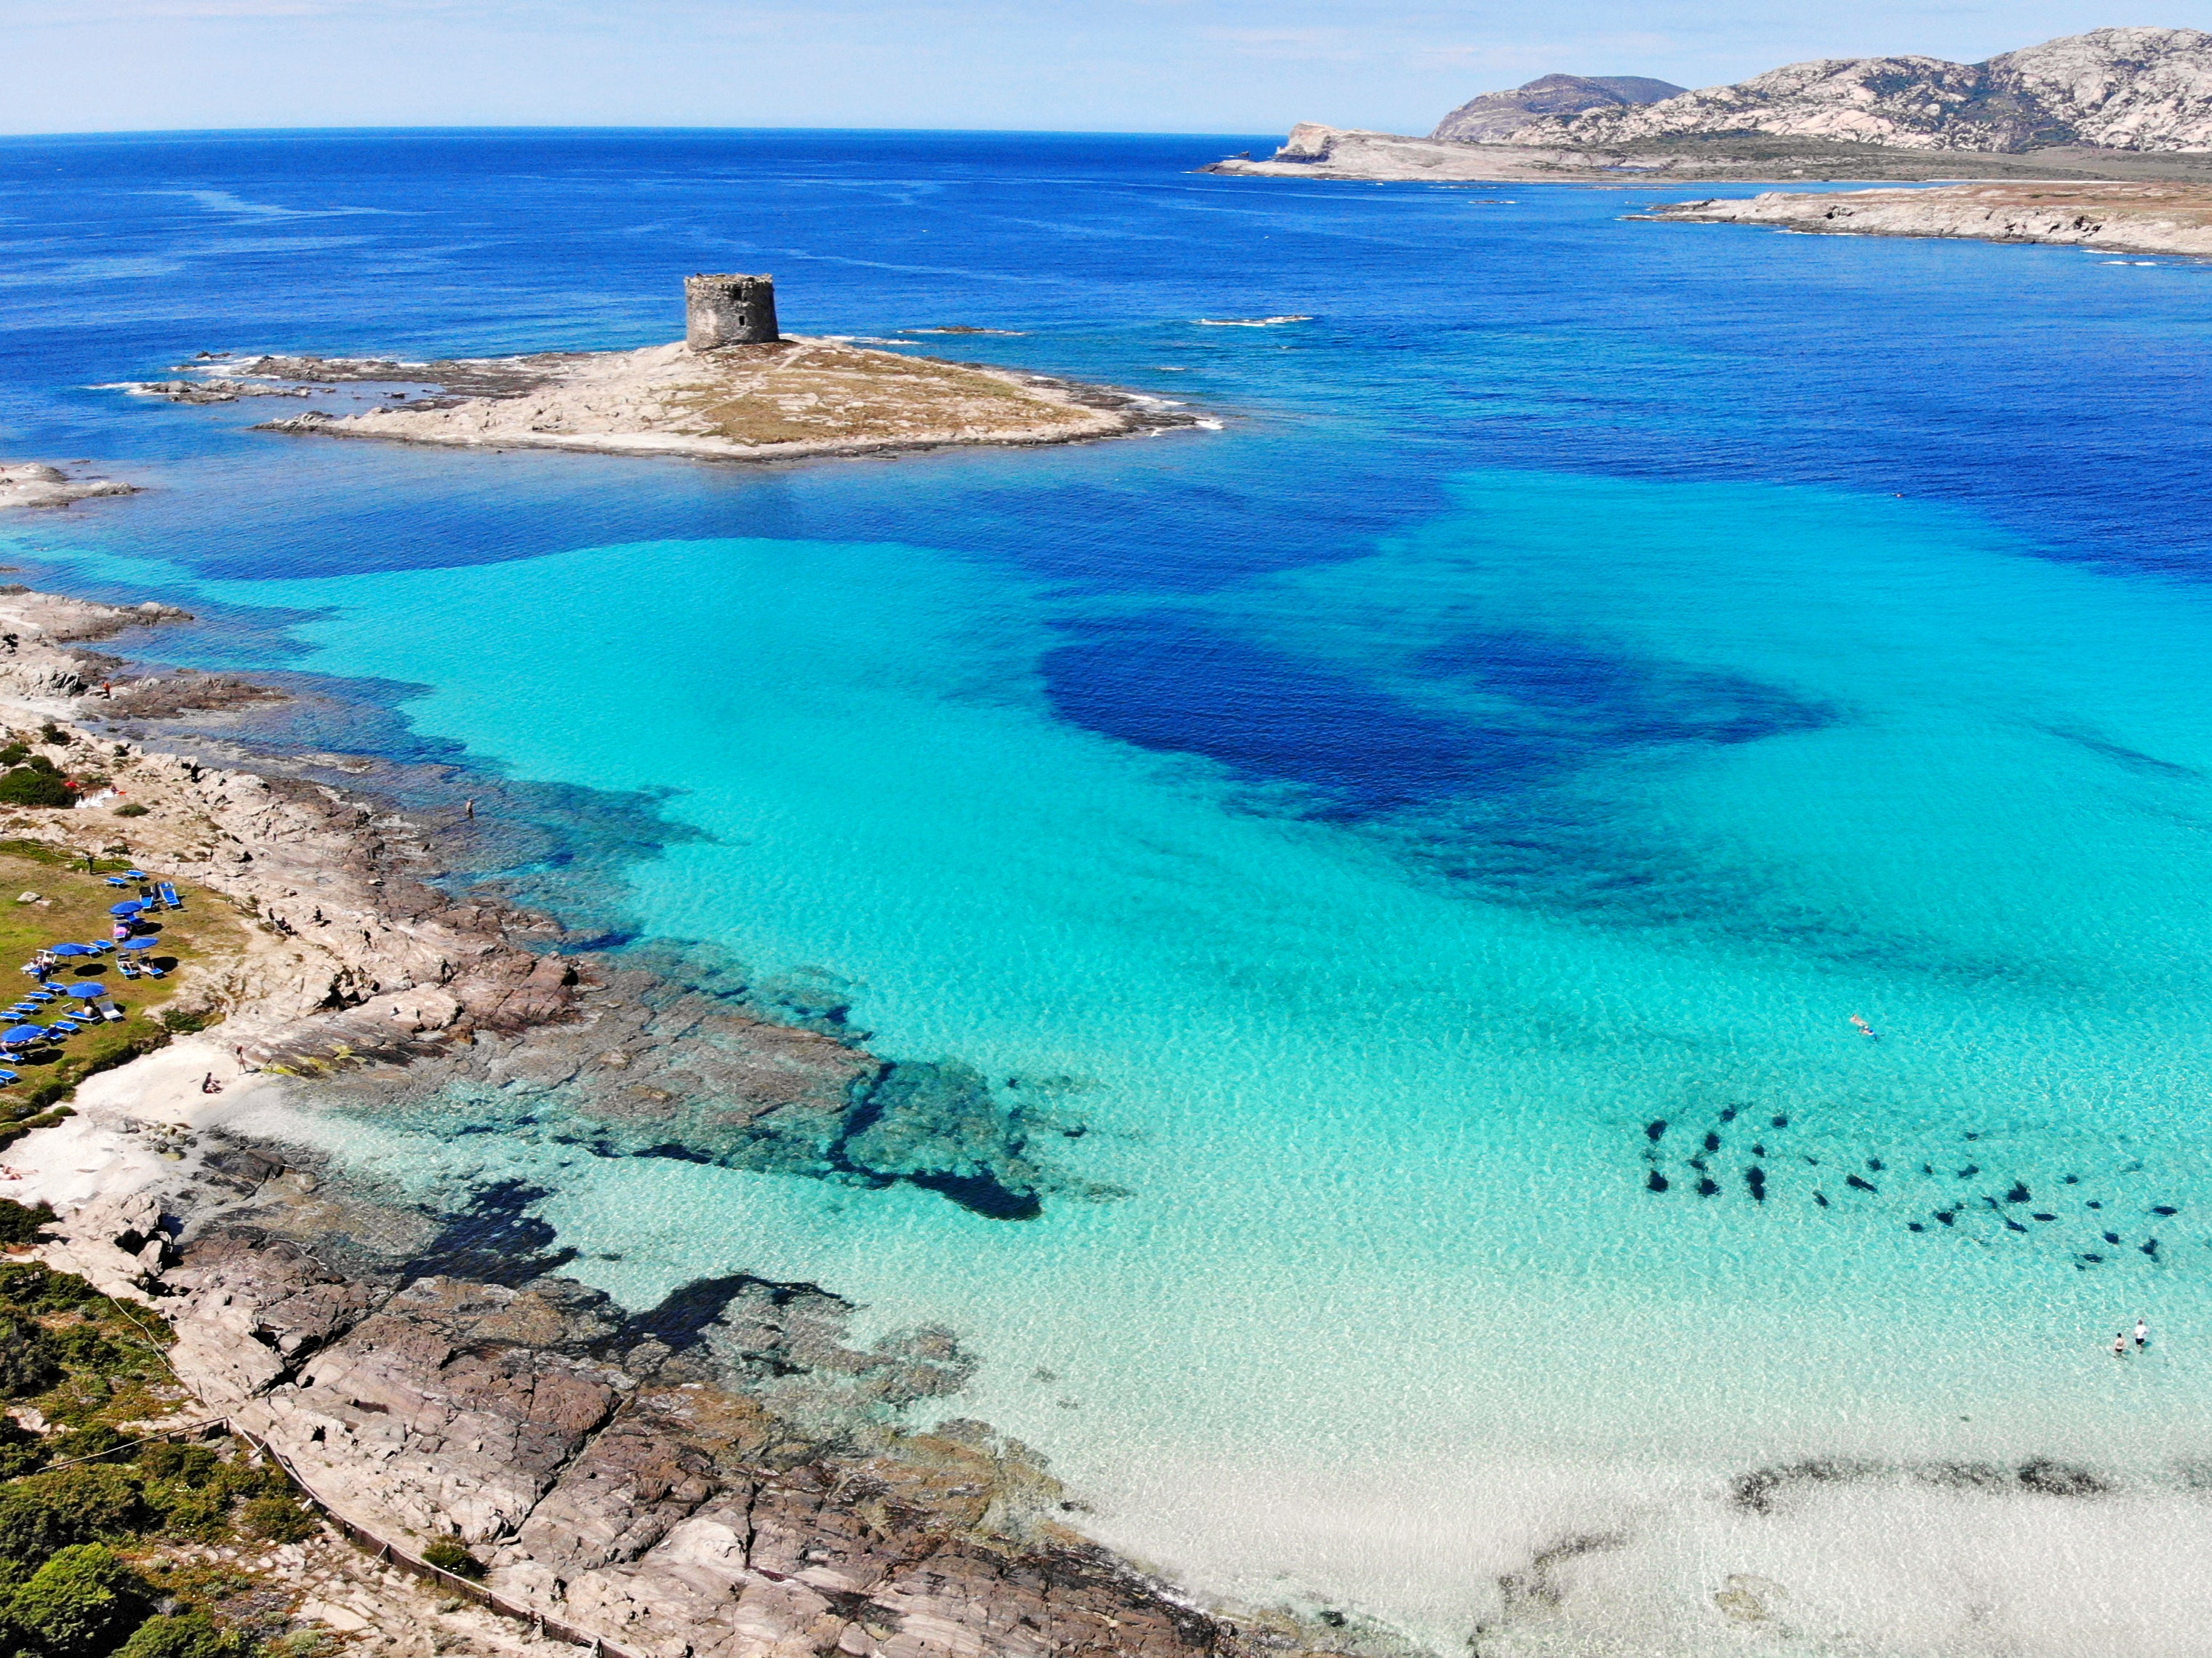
(93, 1522)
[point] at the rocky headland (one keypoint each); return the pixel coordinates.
(727, 1473)
(2121, 218)
(791, 397)
(2122, 103)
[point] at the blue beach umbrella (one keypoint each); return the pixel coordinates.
(88, 991)
(128, 907)
(141, 943)
(71, 949)
(23, 1033)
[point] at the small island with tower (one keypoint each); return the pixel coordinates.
(734, 388)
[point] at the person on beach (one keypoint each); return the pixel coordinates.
(2120, 1344)
(2143, 1334)
(469, 809)
(210, 1085)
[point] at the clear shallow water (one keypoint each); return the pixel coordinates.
(1597, 659)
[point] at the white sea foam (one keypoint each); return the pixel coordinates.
(1248, 322)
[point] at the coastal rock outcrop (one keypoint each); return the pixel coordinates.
(2161, 218)
(2114, 88)
(612, 1477)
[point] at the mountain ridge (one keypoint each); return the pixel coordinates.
(2140, 89)
(1493, 115)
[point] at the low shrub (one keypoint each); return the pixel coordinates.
(277, 1518)
(186, 1635)
(131, 809)
(30, 1362)
(19, 1222)
(446, 1555)
(77, 1605)
(24, 787)
(90, 1503)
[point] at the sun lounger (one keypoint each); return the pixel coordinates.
(153, 971)
(113, 1015)
(169, 895)
(7, 1079)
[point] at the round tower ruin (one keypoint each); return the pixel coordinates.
(728, 310)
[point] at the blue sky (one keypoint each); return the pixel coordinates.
(1252, 66)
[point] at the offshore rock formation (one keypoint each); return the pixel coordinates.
(2127, 218)
(2119, 89)
(786, 399)
(1497, 116)
(30, 483)
(734, 389)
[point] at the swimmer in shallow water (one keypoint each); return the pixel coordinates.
(2143, 1334)
(2120, 1344)
(1865, 1030)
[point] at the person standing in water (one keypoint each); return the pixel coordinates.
(2120, 1344)
(2143, 1334)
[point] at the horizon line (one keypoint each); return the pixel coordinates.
(64, 135)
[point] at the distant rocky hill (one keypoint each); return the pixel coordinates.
(1495, 117)
(2119, 89)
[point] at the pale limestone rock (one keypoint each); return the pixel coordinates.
(28, 483)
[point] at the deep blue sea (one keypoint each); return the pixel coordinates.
(1438, 826)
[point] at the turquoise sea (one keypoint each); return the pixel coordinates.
(1434, 830)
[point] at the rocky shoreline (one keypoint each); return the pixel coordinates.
(2119, 218)
(724, 1474)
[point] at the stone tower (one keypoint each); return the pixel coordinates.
(728, 310)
